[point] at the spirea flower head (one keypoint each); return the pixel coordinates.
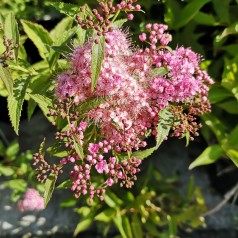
(107, 123)
(32, 201)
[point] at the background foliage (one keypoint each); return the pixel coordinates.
(209, 27)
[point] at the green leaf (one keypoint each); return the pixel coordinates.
(90, 104)
(189, 12)
(6, 170)
(43, 102)
(16, 184)
(210, 155)
(96, 62)
(57, 150)
(78, 147)
(164, 125)
(119, 23)
(15, 101)
(66, 8)
(106, 215)
(83, 225)
(118, 222)
(233, 155)
(65, 185)
(49, 188)
(230, 76)
(217, 127)
(163, 128)
(136, 226)
(158, 71)
(217, 94)
(231, 30)
(127, 227)
(222, 8)
(12, 150)
(6, 77)
(11, 31)
(205, 19)
(57, 34)
(230, 106)
(39, 36)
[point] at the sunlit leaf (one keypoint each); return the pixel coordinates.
(210, 155)
(39, 36)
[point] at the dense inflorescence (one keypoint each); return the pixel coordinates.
(106, 125)
(32, 201)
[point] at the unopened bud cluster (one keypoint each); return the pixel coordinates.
(8, 53)
(101, 18)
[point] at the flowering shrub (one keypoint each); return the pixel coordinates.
(110, 108)
(108, 99)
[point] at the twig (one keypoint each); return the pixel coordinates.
(227, 197)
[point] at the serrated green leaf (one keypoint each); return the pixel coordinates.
(39, 36)
(66, 8)
(11, 31)
(164, 125)
(78, 148)
(189, 11)
(210, 155)
(15, 101)
(31, 106)
(43, 102)
(96, 62)
(6, 77)
(142, 154)
(49, 188)
(59, 30)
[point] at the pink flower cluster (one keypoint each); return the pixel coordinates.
(135, 84)
(32, 201)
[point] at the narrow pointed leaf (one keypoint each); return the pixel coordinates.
(49, 188)
(15, 102)
(66, 8)
(97, 59)
(208, 156)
